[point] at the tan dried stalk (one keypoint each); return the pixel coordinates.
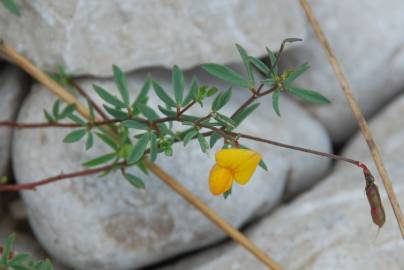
(357, 113)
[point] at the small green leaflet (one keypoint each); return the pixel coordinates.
(227, 193)
(90, 140)
(214, 138)
(74, 136)
(139, 148)
(203, 143)
(161, 93)
(107, 97)
(272, 61)
(241, 116)
(178, 82)
(221, 100)
(247, 64)
(135, 181)
(116, 113)
(147, 111)
(7, 248)
(189, 136)
(224, 120)
(100, 160)
(135, 124)
(193, 90)
(107, 140)
(307, 95)
(12, 7)
(142, 96)
(153, 146)
(261, 66)
(297, 72)
(275, 101)
(226, 74)
(122, 84)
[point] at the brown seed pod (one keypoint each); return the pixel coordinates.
(373, 195)
(376, 206)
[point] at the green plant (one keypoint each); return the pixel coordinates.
(20, 261)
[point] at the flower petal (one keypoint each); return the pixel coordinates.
(232, 158)
(220, 180)
(243, 173)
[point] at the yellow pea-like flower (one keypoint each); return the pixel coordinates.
(232, 164)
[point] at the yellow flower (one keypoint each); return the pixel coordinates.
(232, 164)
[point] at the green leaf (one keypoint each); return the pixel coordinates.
(153, 146)
(56, 109)
(20, 258)
(291, 40)
(227, 193)
(269, 82)
(91, 109)
(221, 100)
(161, 93)
(166, 111)
(178, 84)
(275, 101)
(74, 136)
(12, 7)
(226, 74)
(189, 136)
(116, 113)
(211, 91)
(135, 181)
(263, 165)
(214, 138)
(107, 97)
(247, 64)
(67, 110)
(226, 121)
(203, 143)
(135, 124)
(122, 84)
(272, 61)
(108, 141)
(148, 112)
(48, 117)
(7, 248)
(76, 119)
(241, 116)
(297, 72)
(139, 148)
(261, 66)
(193, 90)
(89, 141)
(308, 95)
(142, 96)
(99, 160)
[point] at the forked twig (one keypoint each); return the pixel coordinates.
(357, 113)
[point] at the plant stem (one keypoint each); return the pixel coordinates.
(357, 113)
(46, 181)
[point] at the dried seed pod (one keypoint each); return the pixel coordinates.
(373, 195)
(376, 206)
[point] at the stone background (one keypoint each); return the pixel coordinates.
(307, 212)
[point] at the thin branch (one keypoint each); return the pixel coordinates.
(17, 125)
(46, 181)
(357, 113)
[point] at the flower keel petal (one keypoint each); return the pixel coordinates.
(220, 180)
